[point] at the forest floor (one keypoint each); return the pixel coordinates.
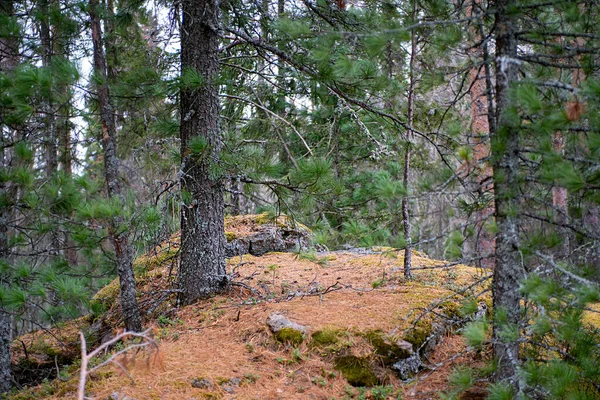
(222, 348)
(226, 337)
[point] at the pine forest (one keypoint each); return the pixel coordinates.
(300, 199)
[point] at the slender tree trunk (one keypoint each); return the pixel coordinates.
(409, 135)
(8, 61)
(480, 131)
(49, 120)
(51, 134)
(63, 132)
(202, 272)
(505, 154)
(5, 317)
(123, 251)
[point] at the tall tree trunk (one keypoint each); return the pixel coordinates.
(63, 129)
(50, 131)
(202, 270)
(505, 154)
(49, 120)
(123, 251)
(406, 174)
(480, 131)
(8, 62)
(5, 317)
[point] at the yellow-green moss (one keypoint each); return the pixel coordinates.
(107, 295)
(265, 218)
(386, 347)
(147, 263)
(357, 371)
(325, 337)
(419, 334)
(230, 236)
(451, 309)
(289, 336)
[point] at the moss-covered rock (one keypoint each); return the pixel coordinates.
(389, 348)
(325, 337)
(289, 336)
(357, 371)
(419, 334)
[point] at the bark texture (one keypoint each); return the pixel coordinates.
(202, 271)
(505, 153)
(406, 223)
(479, 140)
(8, 61)
(123, 251)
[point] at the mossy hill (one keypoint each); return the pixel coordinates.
(363, 317)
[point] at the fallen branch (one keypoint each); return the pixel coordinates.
(147, 342)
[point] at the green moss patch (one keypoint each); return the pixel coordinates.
(289, 336)
(326, 337)
(230, 236)
(388, 348)
(357, 371)
(420, 333)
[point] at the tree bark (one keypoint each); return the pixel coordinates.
(8, 61)
(406, 223)
(202, 271)
(123, 251)
(479, 140)
(505, 154)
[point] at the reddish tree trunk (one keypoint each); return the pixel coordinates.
(480, 170)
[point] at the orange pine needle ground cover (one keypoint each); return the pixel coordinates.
(226, 337)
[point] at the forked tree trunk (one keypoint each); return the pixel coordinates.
(202, 271)
(505, 154)
(123, 251)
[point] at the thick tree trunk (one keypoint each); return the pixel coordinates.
(123, 251)
(505, 154)
(479, 140)
(202, 270)
(8, 61)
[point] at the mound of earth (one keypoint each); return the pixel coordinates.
(363, 327)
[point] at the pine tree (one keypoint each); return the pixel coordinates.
(8, 62)
(505, 155)
(123, 250)
(202, 270)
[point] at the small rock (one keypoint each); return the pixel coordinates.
(286, 331)
(408, 367)
(404, 345)
(201, 383)
(277, 322)
(118, 396)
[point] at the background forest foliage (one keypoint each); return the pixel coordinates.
(467, 130)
